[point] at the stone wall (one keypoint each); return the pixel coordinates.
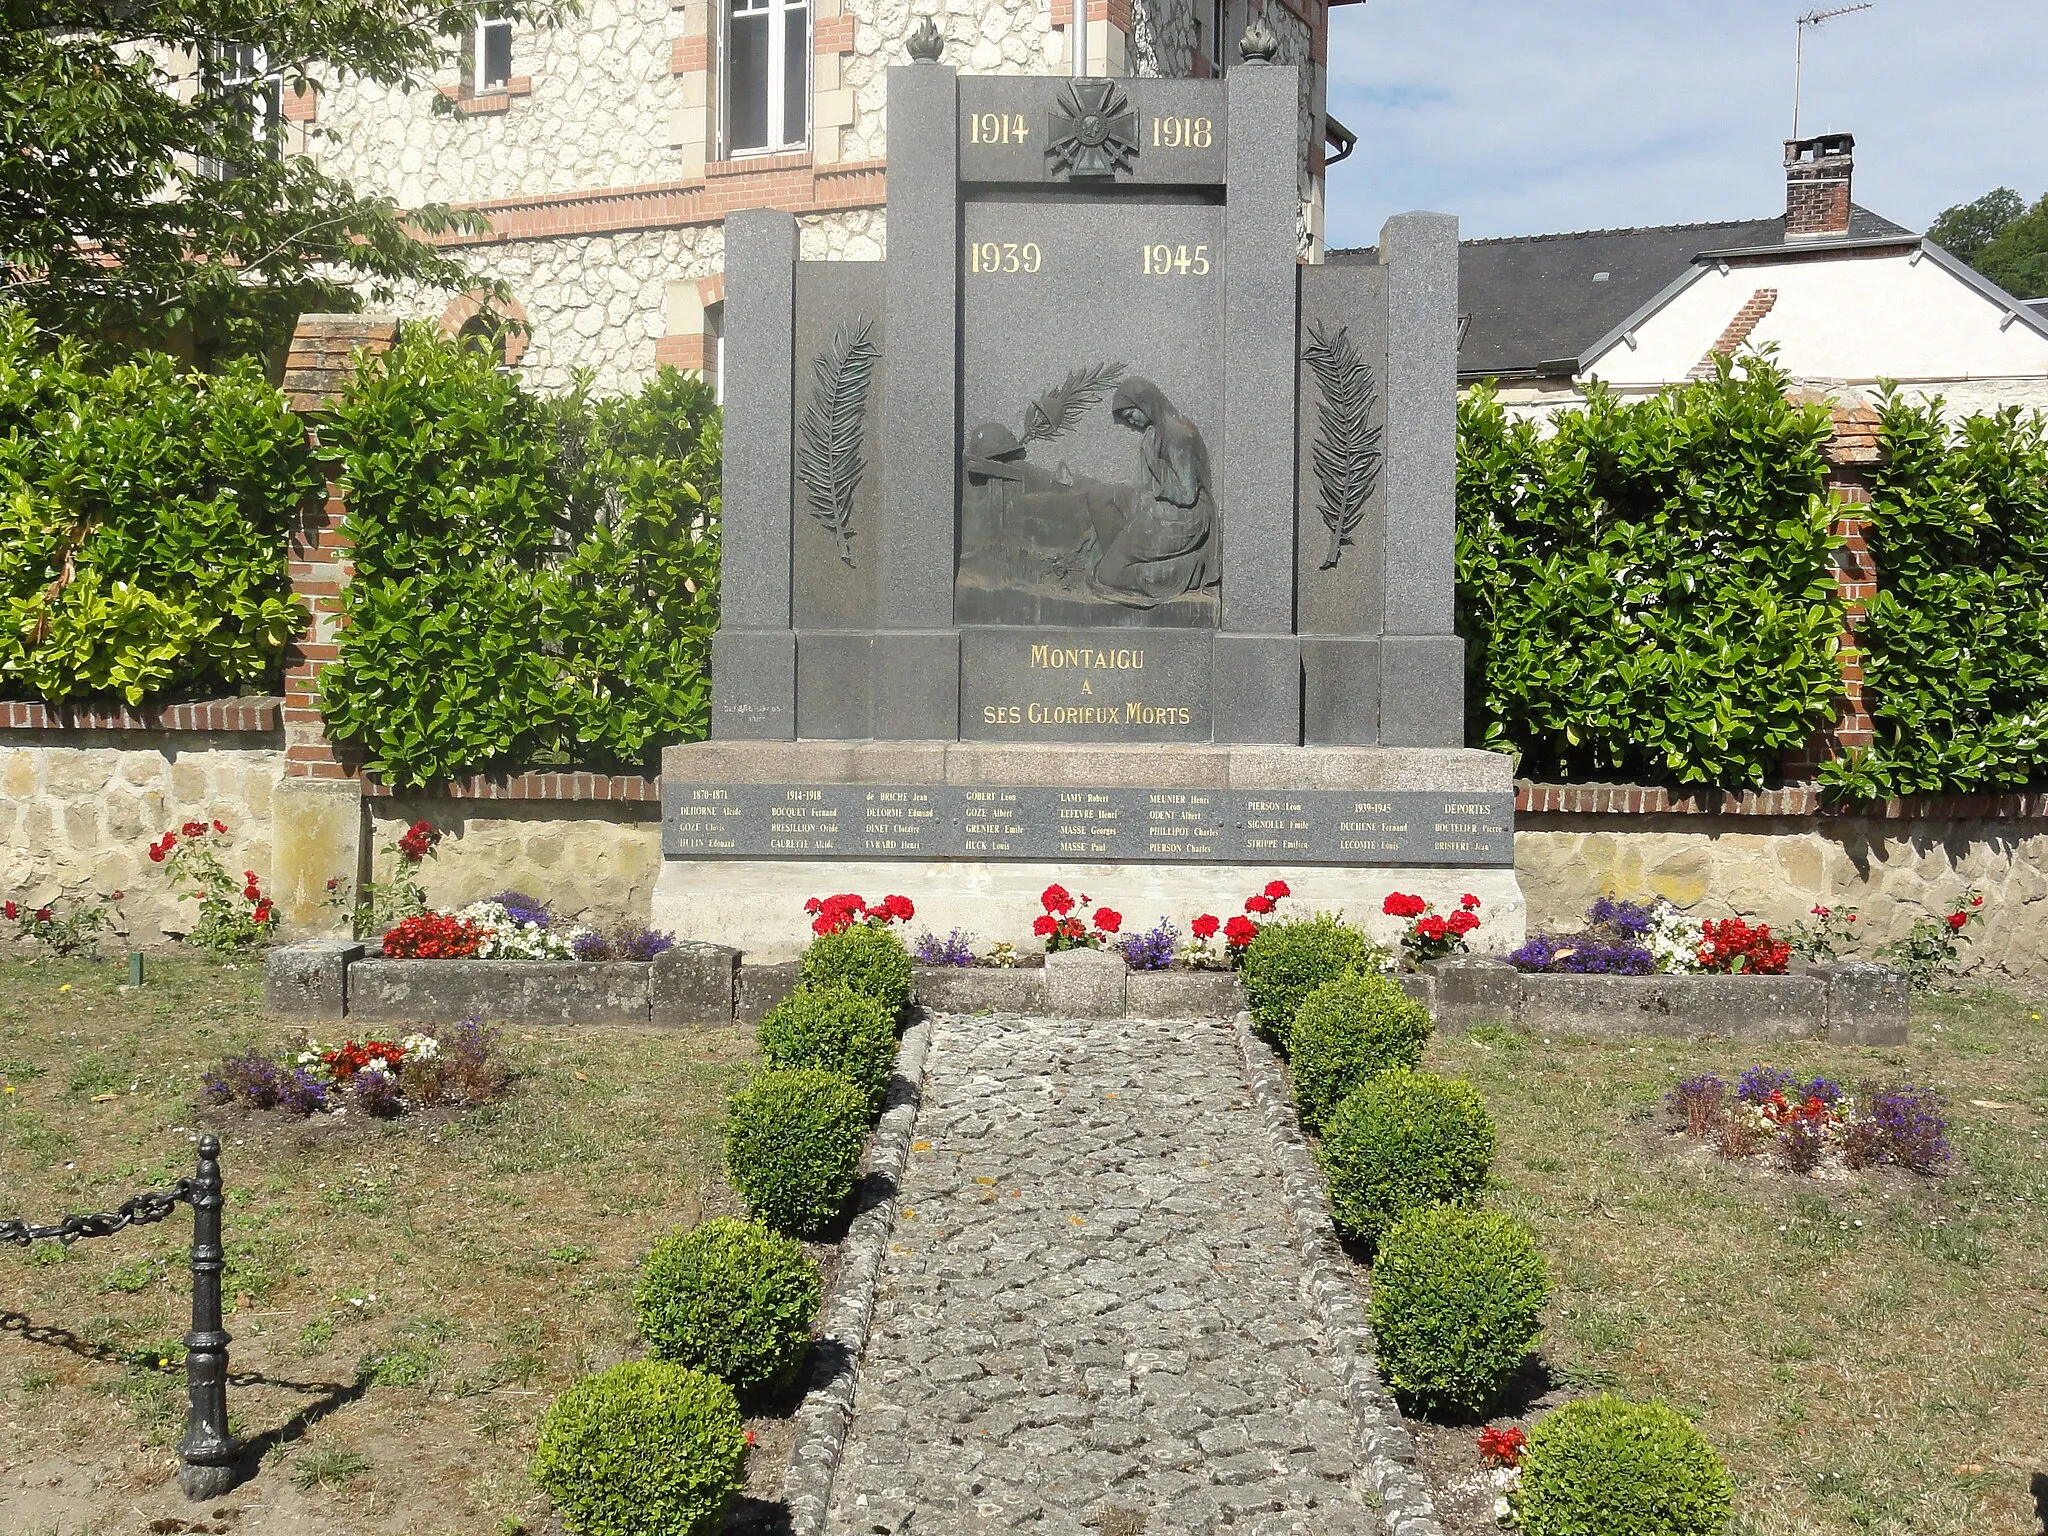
(77, 816)
(594, 114)
(1778, 868)
(594, 862)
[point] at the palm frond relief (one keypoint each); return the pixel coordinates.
(1347, 446)
(829, 458)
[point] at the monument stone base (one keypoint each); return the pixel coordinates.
(752, 829)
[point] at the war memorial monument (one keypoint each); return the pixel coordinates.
(1087, 537)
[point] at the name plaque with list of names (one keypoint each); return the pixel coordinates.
(1107, 825)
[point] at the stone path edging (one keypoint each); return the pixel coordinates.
(826, 1414)
(1389, 1451)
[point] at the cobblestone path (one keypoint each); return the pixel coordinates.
(1091, 1318)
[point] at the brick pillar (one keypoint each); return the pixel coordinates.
(1849, 453)
(319, 569)
(318, 831)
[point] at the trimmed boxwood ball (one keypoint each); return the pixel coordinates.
(1605, 1467)
(644, 1449)
(1457, 1304)
(834, 1029)
(731, 1298)
(868, 959)
(793, 1143)
(1403, 1141)
(1346, 1033)
(1287, 961)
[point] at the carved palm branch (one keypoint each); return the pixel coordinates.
(1347, 447)
(828, 455)
(1060, 408)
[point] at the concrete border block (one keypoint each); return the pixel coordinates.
(1474, 989)
(309, 980)
(1867, 1004)
(692, 983)
(760, 987)
(1185, 994)
(515, 991)
(1086, 984)
(1635, 1007)
(979, 989)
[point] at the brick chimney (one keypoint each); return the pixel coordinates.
(1817, 173)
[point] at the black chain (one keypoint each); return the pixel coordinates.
(149, 1206)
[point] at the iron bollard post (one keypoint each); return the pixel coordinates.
(207, 1451)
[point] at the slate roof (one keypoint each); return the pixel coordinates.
(1536, 304)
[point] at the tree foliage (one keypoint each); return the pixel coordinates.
(536, 578)
(137, 206)
(1646, 590)
(2002, 238)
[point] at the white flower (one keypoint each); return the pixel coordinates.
(420, 1047)
(1674, 939)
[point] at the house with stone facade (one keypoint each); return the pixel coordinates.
(606, 153)
(1848, 299)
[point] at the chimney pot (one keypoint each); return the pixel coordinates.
(1818, 174)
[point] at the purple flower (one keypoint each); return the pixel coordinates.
(1911, 1127)
(522, 908)
(953, 949)
(1152, 951)
(1758, 1083)
(1583, 954)
(375, 1091)
(1825, 1089)
(299, 1092)
(1624, 919)
(1705, 1091)
(634, 942)
(591, 945)
(252, 1078)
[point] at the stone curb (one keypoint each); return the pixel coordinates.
(826, 1413)
(1406, 1507)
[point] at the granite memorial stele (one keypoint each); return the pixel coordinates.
(1087, 537)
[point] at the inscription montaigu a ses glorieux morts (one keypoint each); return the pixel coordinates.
(1050, 532)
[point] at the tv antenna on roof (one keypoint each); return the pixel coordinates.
(1813, 20)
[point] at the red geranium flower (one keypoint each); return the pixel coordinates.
(1471, 904)
(1056, 900)
(898, 909)
(1108, 919)
(1240, 931)
(1277, 890)
(1399, 904)
(810, 906)
(1433, 927)
(1259, 904)
(1502, 1447)
(1045, 926)
(1462, 923)
(1205, 927)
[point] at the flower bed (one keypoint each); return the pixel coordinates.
(377, 1076)
(1814, 1125)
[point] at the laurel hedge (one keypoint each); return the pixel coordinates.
(1645, 587)
(1955, 643)
(536, 577)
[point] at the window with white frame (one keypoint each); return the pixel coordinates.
(490, 54)
(767, 78)
(246, 70)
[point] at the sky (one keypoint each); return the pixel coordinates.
(1537, 116)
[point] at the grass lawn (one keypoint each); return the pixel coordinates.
(410, 1295)
(1869, 1353)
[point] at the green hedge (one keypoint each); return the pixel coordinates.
(1645, 588)
(1956, 641)
(143, 513)
(536, 578)
(1605, 1467)
(643, 1449)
